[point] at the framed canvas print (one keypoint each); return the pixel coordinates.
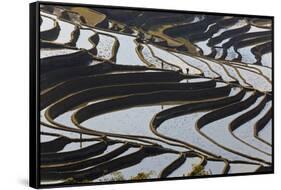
(120, 94)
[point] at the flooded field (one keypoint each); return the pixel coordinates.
(159, 95)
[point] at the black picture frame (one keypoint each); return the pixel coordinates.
(34, 98)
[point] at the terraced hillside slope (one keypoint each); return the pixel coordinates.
(135, 95)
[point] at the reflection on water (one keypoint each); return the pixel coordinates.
(132, 121)
(137, 120)
(220, 133)
(266, 132)
(186, 167)
(152, 165)
(241, 168)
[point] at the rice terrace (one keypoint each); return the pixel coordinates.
(142, 94)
